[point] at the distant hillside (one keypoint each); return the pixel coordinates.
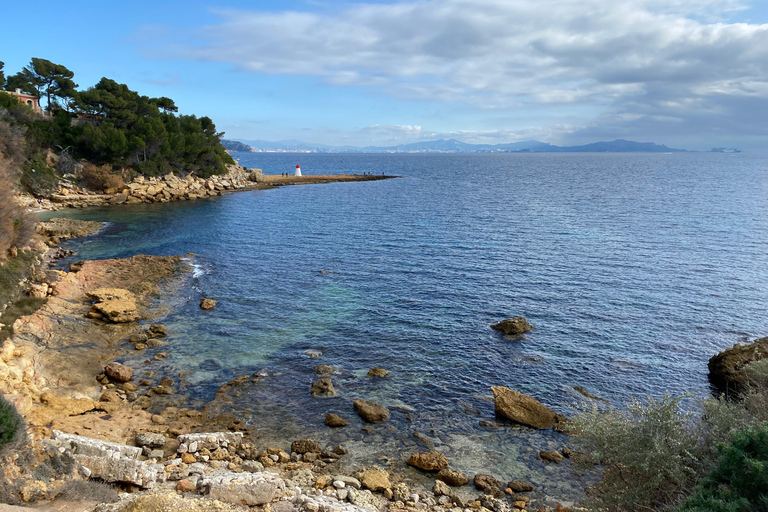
(456, 146)
(236, 145)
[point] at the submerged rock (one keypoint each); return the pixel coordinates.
(322, 388)
(727, 369)
(551, 456)
(432, 460)
(520, 486)
(377, 372)
(207, 303)
(516, 325)
(334, 420)
(523, 409)
(371, 411)
(488, 484)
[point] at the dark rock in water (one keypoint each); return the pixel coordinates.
(324, 370)
(488, 485)
(517, 325)
(452, 477)
(551, 456)
(523, 409)
(520, 486)
(587, 394)
(207, 303)
(138, 338)
(322, 388)
(118, 372)
(166, 381)
(157, 331)
(432, 460)
(727, 369)
(371, 411)
(334, 420)
(377, 372)
(305, 446)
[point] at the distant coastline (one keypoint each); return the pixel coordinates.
(449, 146)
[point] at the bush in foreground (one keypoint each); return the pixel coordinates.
(739, 483)
(12, 432)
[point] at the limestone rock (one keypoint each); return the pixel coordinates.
(516, 325)
(242, 488)
(322, 388)
(441, 489)
(432, 460)
(452, 477)
(523, 409)
(305, 446)
(370, 411)
(207, 303)
(150, 439)
(119, 372)
(551, 456)
(334, 420)
(488, 484)
(726, 369)
(377, 372)
(520, 486)
(208, 441)
(157, 331)
(375, 480)
(105, 294)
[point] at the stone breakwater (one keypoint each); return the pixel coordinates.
(158, 189)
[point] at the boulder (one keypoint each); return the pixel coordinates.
(150, 439)
(370, 411)
(488, 484)
(517, 325)
(322, 388)
(523, 409)
(105, 294)
(432, 460)
(207, 303)
(334, 420)
(118, 372)
(117, 310)
(441, 489)
(242, 488)
(452, 477)
(726, 369)
(375, 480)
(305, 446)
(551, 456)
(377, 372)
(157, 331)
(520, 486)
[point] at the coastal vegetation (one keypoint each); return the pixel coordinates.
(677, 453)
(107, 124)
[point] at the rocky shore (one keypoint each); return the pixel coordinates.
(92, 419)
(173, 188)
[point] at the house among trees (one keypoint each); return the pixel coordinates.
(27, 99)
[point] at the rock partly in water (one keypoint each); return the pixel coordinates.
(432, 460)
(516, 325)
(377, 372)
(520, 486)
(305, 446)
(488, 484)
(727, 369)
(207, 303)
(334, 420)
(370, 411)
(551, 456)
(452, 477)
(322, 388)
(118, 372)
(523, 409)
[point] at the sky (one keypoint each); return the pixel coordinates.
(691, 74)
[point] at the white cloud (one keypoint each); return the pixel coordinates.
(639, 57)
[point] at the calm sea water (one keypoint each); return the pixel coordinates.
(633, 269)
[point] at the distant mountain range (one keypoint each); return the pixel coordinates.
(448, 146)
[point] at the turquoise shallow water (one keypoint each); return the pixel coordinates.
(634, 270)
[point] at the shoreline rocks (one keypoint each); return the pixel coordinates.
(432, 460)
(370, 411)
(523, 409)
(727, 369)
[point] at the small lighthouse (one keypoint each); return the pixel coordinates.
(298, 171)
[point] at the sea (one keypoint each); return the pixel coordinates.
(634, 269)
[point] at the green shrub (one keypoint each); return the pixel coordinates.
(651, 452)
(739, 483)
(12, 431)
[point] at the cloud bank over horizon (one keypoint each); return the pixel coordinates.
(679, 71)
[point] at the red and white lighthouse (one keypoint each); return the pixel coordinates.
(298, 171)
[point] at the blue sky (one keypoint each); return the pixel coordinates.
(687, 73)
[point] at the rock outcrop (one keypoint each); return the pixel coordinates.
(517, 325)
(432, 460)
(726, 369)
(371, 411)
(523, 409)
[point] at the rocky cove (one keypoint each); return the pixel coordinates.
(132, 426)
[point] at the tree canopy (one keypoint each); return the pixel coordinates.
(111, 124)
